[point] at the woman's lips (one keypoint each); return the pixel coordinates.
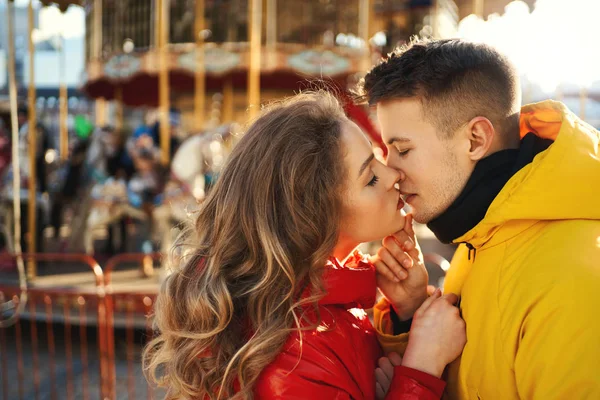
(400, 203)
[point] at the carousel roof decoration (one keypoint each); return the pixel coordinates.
(63, 5)
(136, 73)
(122, 66)
(315, 62)
(218, 61)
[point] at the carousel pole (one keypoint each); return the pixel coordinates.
(228, 100)
(255, 49)
(271, 39)
(64, 133)
(163, 89)
(478, 8)
(32, 206)
(97, 55)
(363, 31)
(200, 89)
(119, 109)
(12, 86)
(100, 112)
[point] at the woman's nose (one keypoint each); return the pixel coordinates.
(395, 177)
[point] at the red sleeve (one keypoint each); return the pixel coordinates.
(410, 384)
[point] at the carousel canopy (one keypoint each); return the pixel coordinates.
(284, 68)
(62, 4)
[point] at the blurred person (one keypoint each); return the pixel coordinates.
(5, 149)
(517, 189)
(73, 182)
(148, 136)
(144, 184)
(269, 302)
(42, 145)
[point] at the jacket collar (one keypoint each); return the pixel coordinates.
(352, 284)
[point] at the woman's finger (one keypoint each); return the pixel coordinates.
(387, 367)
(405, 240)
(379, 392)
(429, 301)
(382, 379)
(397, 252)
(395, 359)
(408, 225)
(451, 298)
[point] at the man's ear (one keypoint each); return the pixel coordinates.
(481, 136)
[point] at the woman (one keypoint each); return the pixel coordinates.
(260, 307)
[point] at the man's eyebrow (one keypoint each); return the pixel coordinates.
(365, 164)
(398, 139)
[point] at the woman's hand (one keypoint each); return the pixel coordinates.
(437, 335)
(401, 274)
(385, 373)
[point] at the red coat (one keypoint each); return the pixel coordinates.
(338, 359)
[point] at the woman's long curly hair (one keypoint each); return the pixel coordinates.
(259, 244)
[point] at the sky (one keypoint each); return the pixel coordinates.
(51, 23)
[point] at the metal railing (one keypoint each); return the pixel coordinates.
(50, 351)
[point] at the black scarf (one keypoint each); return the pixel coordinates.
(487, 180)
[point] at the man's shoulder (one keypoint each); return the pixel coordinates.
(560, 253)
(561, 238)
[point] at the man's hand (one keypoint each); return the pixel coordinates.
(401, 274)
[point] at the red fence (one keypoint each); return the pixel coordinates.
(80, 341)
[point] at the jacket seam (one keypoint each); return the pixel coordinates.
(500, 313)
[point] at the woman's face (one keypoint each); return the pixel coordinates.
(372, 206)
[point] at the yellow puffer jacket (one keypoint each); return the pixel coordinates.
(530, 292)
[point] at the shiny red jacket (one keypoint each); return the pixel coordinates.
(337, 360)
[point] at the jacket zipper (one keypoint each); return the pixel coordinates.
(471, 249)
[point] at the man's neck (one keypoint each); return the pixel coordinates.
(487, 180)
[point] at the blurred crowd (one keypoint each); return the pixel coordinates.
(113, 186)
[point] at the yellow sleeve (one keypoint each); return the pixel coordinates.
(385, 330)
(558, 355)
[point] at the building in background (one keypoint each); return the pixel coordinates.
(53, 33)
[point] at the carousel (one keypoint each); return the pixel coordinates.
(214, 62)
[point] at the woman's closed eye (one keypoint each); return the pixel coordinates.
(403, 153)
(373, 181)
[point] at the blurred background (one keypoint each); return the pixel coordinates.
(124, 111)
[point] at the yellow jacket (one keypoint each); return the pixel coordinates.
(530, 295)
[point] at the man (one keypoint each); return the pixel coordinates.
(519, 190)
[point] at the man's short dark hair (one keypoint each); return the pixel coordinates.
(455, 81)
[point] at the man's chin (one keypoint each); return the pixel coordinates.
(421, 217)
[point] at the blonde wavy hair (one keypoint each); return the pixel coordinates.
(259, 244)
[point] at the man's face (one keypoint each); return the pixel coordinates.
(434, 169)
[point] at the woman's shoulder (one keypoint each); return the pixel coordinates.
(336, 354)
